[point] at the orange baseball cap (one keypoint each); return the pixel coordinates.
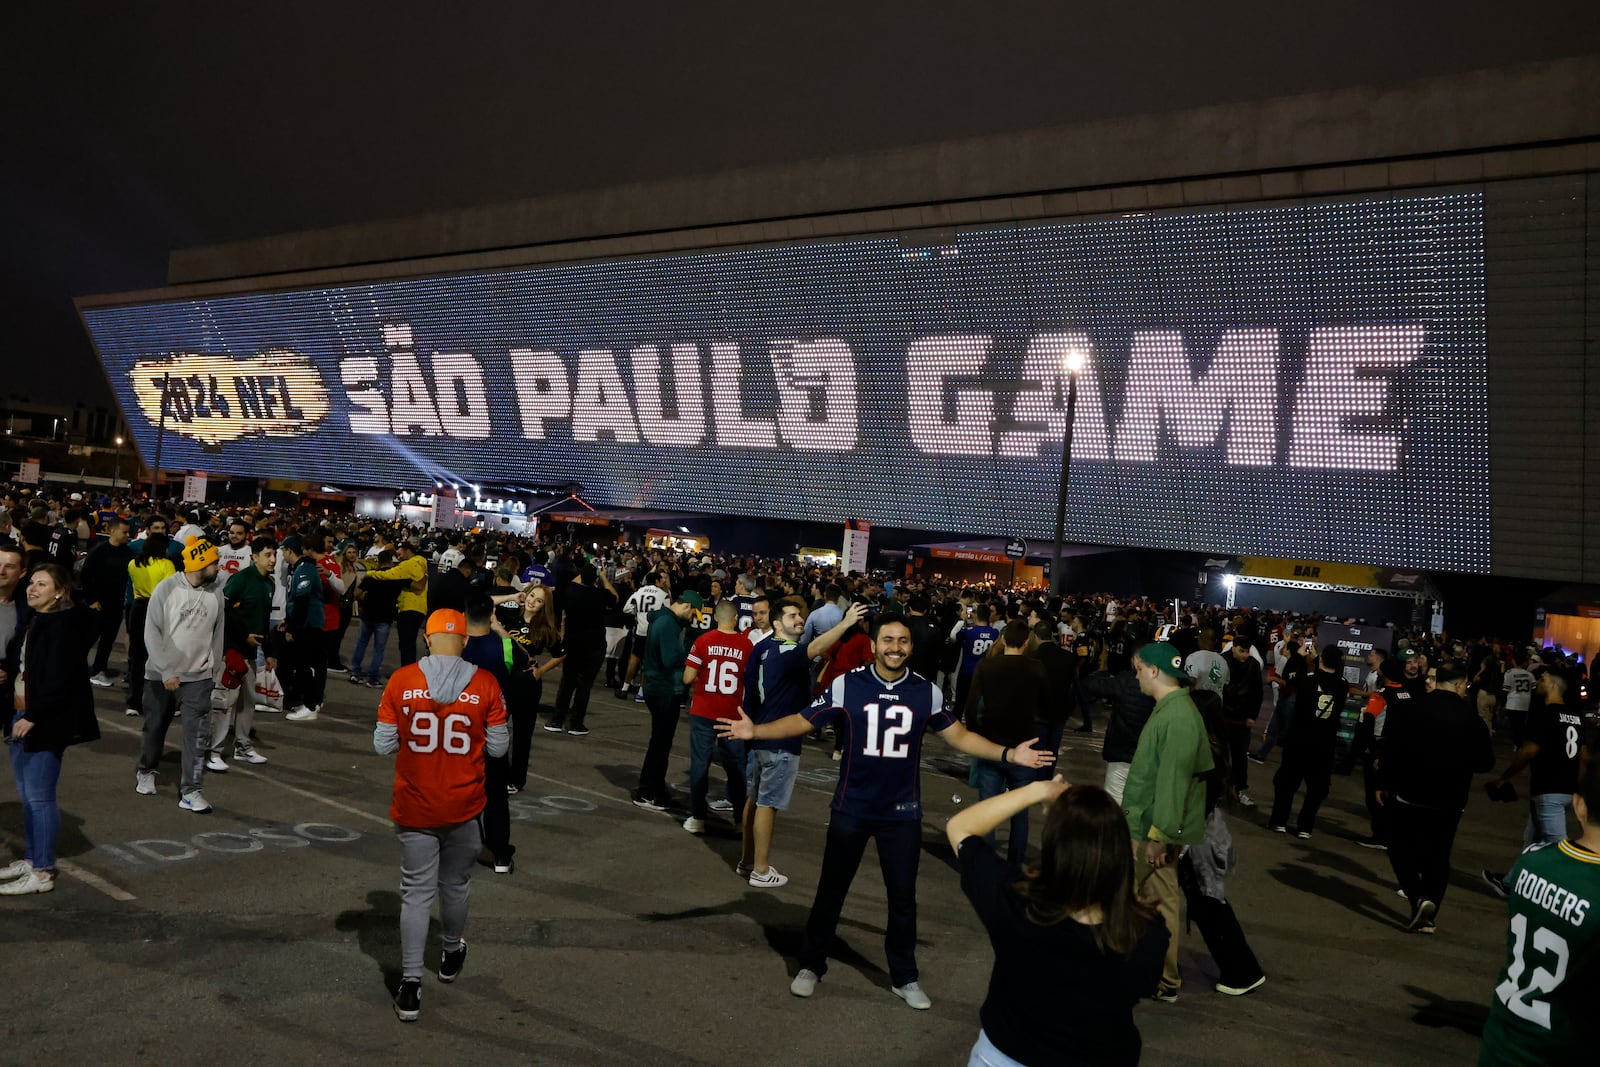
(447, 621)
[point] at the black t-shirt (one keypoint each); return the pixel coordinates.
(1053, 996)
(1558, 731)
(583, 609)
(1318, 707)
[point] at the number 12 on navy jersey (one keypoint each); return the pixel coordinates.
(887, 731)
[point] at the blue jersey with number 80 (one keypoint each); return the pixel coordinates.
(883, 723)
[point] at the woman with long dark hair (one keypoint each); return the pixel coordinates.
(152, 566)
(1074, 949)
(530, 622)
(54, 710)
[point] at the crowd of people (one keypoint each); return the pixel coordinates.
(234, 612)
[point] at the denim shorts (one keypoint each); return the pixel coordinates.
(769, 777)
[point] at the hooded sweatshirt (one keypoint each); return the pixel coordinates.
(183, 631)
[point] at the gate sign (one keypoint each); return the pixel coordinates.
(194, 487)
(1355, 642)
(29, 472)
(1016, 548)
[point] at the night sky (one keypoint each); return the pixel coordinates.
(132, 129)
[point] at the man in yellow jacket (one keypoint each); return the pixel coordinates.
(412, 607)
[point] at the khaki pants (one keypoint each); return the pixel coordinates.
(1159, 886)
(1487, 702)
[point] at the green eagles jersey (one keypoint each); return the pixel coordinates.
(1551, 981)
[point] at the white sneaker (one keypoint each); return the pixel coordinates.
(132, 713)
(269, 707)
(771, 880)
(144, 783)
(247, 754)
(16, 870)
(302, 714)
(1245, 801)
(694, 825)
(32, 882)
(724, 805)
(101, 680)
(195, 802)
(805, 983)
(216, 764)
(913, 995)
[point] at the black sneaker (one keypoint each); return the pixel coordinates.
(357, 678)
(621, 692)
(504, 866)
(450, 966)
(577, 729)
(408, 1000)
(555, 726)
(1496, 882)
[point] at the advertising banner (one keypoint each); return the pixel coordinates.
(28, 472)
(194, 487)
(1253, 378)
(854, 556)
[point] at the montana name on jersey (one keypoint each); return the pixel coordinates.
(883, 723)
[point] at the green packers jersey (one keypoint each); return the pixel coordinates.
(1550, 984)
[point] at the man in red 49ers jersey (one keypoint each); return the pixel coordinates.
(714, 673)
(440, 715)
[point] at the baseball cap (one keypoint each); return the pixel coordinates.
(1165, 656)
(293, 543)
(447, 621)
(1408, 653)
(691, 598)
(198, 554)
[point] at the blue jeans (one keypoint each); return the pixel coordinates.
(703, 743)
(994, 778)
(37, 774)
(1547, 818)
(378, 634)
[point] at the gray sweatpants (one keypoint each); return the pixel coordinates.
(241, 708)
(192, 703)
(434, 861)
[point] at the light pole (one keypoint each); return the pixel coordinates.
(1073, 362)
(116, 471)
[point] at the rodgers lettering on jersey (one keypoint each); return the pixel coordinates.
(1550, 983)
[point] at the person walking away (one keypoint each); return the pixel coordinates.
(1207, 666)
(1061, 675)
(1429, 755)
(246, 615)
(644, 602)
(714, 673)
(54, 710)
(663, 682)
(1541, 1011)
(152, 566)
(1006, 704)
(303, 620)
(440, 718)
(411, 604)
(1074, 949)
(1241, 703)
(1131, 708)
(1164, 798)
(1203, 869)
(582, 604)
(504, 661)
(352, 571)
(1556, 750)
(105, 582)
(183, 631)
(885, 711)
(975, 641)
(1308, 746)
(1518, 684)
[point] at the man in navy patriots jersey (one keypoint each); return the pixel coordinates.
(882, 710)
(975, 639)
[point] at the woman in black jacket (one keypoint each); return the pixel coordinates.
(54, 709)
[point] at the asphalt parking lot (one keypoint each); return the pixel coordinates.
(263, 933)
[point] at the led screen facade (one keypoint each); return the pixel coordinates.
(1304, 380)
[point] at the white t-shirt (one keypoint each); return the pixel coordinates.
(1519, 689)
(233, 560)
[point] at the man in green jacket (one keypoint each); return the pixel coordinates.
(662, 668)
(246, 609)
(1165, 798)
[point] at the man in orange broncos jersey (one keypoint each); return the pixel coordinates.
(440, 714)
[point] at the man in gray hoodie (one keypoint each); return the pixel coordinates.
(440, 717)
(183, 634)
